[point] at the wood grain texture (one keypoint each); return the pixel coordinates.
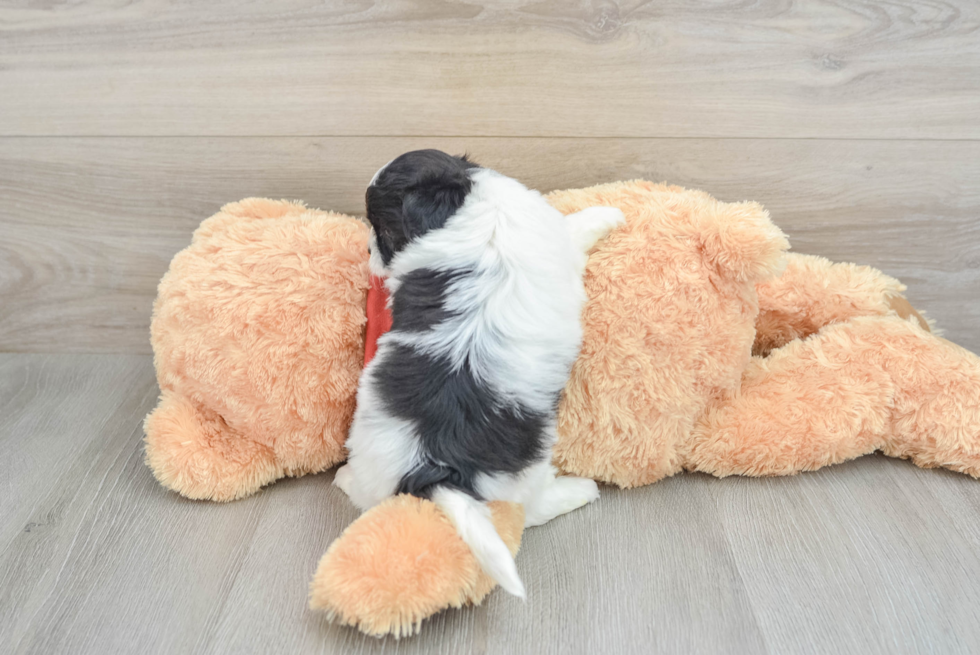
(873, 556)
(770, 68)
(857, 536)
(89, 225)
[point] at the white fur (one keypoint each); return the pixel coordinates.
(589, 225)
(519, 323)
(516, 323)
(382, 447)
(472, 521)
(375, 264)
(543, 494)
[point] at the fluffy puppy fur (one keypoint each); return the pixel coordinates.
(459, 403)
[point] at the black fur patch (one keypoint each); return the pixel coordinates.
(415, 193)
(420, 301)
(462, 427)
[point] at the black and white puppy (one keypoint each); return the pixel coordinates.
(459, 403)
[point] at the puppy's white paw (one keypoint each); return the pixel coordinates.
(577, 492)
(590, 225)
(343, 478)
(608, 218)
(564, 494)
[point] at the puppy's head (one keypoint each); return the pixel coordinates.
(413, 194)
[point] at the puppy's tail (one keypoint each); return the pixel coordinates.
(472, 520)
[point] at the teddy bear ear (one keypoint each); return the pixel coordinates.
(741, 240)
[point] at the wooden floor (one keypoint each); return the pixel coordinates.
(874, 556)
(124, 124)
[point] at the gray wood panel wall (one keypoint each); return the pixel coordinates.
(123, 125)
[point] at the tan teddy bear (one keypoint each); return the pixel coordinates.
(707, 348)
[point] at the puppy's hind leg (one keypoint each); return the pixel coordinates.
(557, 495)
(589, 225)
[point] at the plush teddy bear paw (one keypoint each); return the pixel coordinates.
(193, 451)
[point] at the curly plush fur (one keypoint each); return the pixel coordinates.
(258, 340)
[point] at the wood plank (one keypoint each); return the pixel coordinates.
(858, 558)
(90, 224)
(596, 582)
(52, 413)
(903, 69)
(105, 559)
(874, 556)
(636, 572)
(99, 558)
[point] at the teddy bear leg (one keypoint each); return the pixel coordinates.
(813, 292)
(809, 404)
(401, 562)
(936, 410)
(193, 452)
(873, 383)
